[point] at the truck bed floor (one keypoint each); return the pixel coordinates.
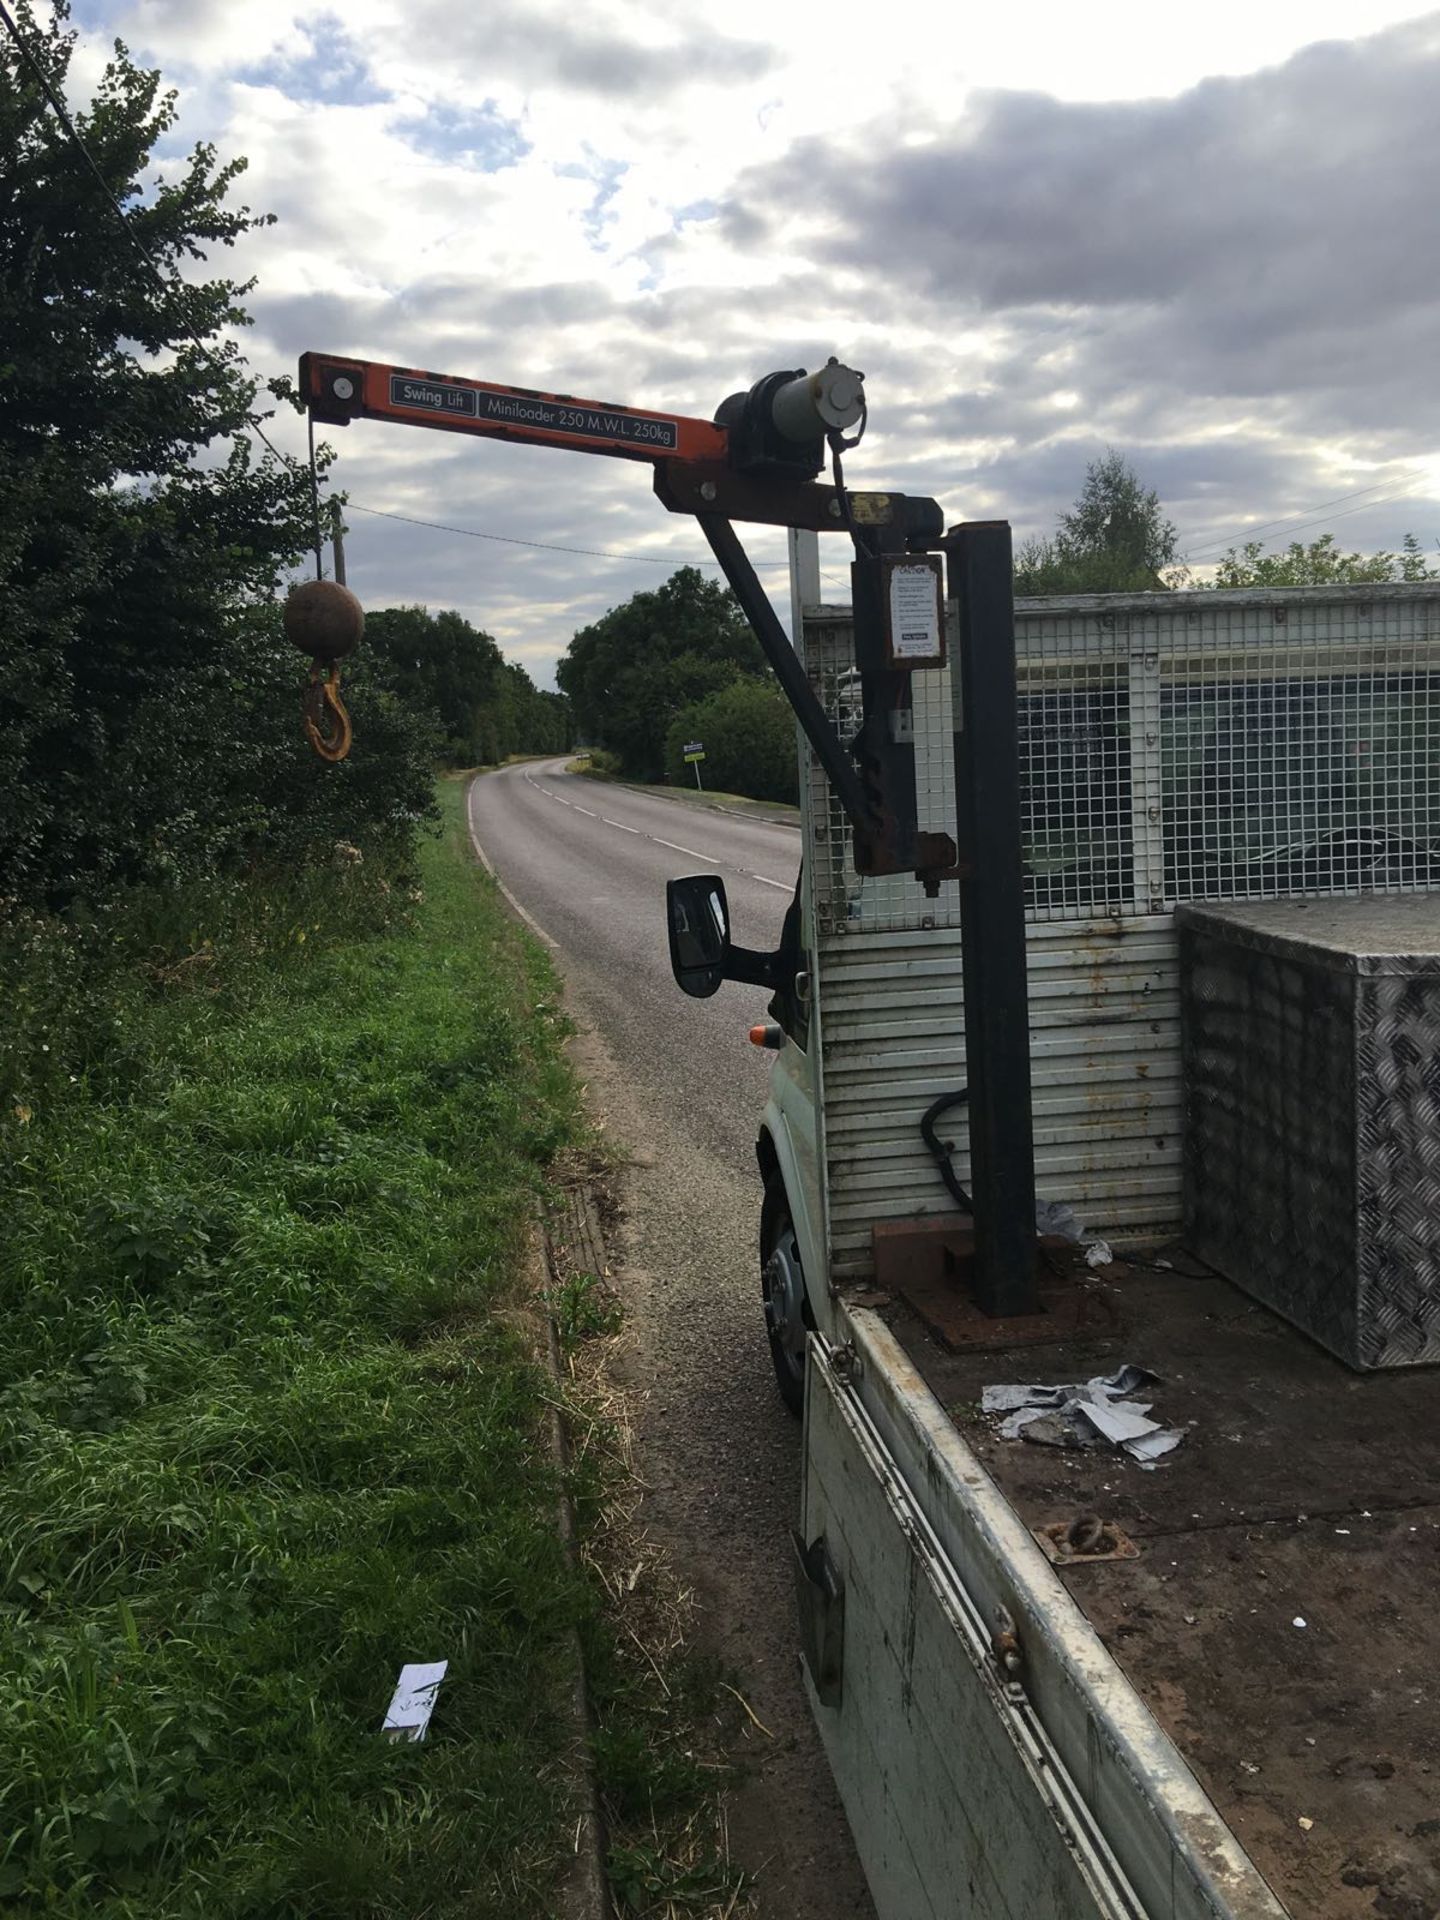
(1302, 1492)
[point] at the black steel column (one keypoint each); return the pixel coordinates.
(992, 916)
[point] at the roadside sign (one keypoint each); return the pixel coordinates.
(691, 758)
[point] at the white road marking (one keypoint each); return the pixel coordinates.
(784, 886)
(675, 847)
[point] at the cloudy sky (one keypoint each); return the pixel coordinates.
(1204, 235)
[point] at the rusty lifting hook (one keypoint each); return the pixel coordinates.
(327, 724)
(324, 619)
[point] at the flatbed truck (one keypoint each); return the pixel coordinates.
(1060, 1684)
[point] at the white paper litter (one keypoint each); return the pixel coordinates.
(1084, 1413)
(1057, 1219)
(1117, 1420)
(1006, 1399)
(408, 1717)
(1104, 1386)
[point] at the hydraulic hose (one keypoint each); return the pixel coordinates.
(940, 1152)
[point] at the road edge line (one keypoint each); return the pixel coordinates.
(486, 862)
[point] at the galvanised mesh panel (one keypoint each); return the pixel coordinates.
(1178, 747)
(1076, 786)
(1307, 770)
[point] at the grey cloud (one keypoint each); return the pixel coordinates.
(439, 321)
(1314, 165)
(1256, 251)
(1254, 237)
(573, 47)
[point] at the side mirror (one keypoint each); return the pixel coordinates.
(699, 916)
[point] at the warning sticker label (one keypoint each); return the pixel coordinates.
(914, 613)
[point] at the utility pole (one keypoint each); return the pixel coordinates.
(337, 538)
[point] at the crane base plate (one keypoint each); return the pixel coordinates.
(927, 1264)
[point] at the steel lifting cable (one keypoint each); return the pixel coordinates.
(324, 620)
(839, 444)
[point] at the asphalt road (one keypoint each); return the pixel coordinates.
(681, 1089)
(588, 862)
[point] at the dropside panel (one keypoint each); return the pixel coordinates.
(970, 1799)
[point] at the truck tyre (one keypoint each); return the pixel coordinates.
(782, 1292)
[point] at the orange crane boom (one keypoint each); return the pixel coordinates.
(338, 391)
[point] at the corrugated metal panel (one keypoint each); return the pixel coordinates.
(1105, 1049)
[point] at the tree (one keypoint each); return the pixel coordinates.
(1115, 539)
(450, 673)
(148, 704)
(1321, 564)
(635, 669)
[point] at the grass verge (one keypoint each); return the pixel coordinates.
(669, 1728)
(269, 1426)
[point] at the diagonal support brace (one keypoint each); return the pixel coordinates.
(744, 583)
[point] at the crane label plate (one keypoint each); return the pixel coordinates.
(431, 396)
(572, 419)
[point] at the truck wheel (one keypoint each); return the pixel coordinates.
(782, 1291)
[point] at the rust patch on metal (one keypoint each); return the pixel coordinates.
(1070, 1543)
(926, 1263)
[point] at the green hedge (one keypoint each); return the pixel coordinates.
(749, 735)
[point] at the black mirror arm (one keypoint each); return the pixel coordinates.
(754, 969)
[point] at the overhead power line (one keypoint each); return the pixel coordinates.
(1264, 527)
(1386, 500)
(1305, 525)
(1310, 516)
(545, 546)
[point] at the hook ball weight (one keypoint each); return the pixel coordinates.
(324, 620)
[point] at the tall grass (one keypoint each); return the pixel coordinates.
(267, 1429)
